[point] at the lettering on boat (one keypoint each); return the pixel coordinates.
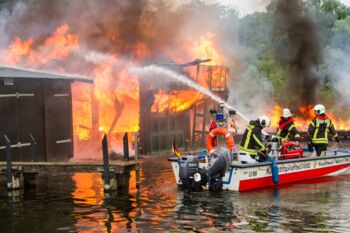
(285, 168)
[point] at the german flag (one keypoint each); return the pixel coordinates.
(176, 151)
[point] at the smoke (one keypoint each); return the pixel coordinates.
(251, 94)
(339, 72)
(107, 26)
(298, 48)
(139, 30)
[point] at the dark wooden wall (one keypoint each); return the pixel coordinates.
(158, 129)
(45, 113)
(58, 121)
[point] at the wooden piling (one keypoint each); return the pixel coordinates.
(126, 147)
(137, 152)
(105, 164)
(8, 163)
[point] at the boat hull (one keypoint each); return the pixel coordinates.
(244, 177)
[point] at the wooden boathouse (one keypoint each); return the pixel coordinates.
(36, 105)
(36, 133)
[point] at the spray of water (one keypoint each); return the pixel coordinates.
(154, 71)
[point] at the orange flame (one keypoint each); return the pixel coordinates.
(111, 105)
(304, 117)
(176, 101)
(205, 48)
(57, 46)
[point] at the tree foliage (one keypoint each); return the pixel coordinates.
(256, 32)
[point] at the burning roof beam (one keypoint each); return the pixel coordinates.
(191, 63)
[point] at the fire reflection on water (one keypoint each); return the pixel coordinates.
(119, 210)
(77, 204)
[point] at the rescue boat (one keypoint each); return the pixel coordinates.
(245, 177)
(218, 168)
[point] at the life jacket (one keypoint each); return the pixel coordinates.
(212, 126)
(251, 140)
(285, 128)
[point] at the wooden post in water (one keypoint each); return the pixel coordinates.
(8, 163)
(126, 147)
(13, 179)
(137, 151)
(107, 185)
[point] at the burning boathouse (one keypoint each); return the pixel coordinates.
(176, 112)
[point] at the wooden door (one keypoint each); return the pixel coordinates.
(58, 120)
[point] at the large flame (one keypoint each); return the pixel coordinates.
(209, 74)
(176, 101)
(305, 115)
(111, 105)
(56, 47)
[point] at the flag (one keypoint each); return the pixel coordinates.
(176, 151)
(233, 126)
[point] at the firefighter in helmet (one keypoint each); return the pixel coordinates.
(252, 141)
(286, 129)
(319, 128)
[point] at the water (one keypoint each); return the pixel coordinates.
(76, 203)
(154, 70)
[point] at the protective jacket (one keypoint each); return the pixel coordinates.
(251, 140)
(286, 128)
(319, 128)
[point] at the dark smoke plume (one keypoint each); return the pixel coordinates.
(298, 47)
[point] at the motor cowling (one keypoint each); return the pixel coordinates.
(189, 174)
(220, 162)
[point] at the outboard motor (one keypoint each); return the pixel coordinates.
(220, 161)
(189, 174)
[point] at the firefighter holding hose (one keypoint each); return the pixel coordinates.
(319, 128)
(251, 146)
(286, 129)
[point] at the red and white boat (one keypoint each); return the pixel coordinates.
(244, 177)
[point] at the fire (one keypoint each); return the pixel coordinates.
(275, 116)
(57, 46)
(205, 48)
(307, 112)
(82, 123)
(175, 101)
(305, 116)
(18, 49)
(111, 105)
(339, 124)
(181, 100)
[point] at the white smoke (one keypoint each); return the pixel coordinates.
(251, 94)
(339, 68)
(5, 18)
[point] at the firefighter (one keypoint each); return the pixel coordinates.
(319, 128)
(286, 129)
(251, 144)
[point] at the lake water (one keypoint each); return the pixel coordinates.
(76, 203)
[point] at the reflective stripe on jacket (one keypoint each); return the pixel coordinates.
(251, 140)
(318, 130)
(290, 129)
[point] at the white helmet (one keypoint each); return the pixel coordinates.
(319, 109)
(264, 121)
(286, 113)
